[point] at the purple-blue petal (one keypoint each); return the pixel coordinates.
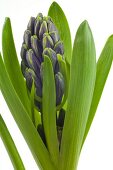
(38, 85)
(55, 36)
(59, 48)
(47, 41)
(43, 29)
(52, 55)
(56, 70)
(59, 88)
(27, 38)
(23, 67)
(30, 76)
(37, 27)
(51, 26)
(35, 46)
(31, 24)
(33, 62)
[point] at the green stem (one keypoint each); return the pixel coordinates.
(10, 146)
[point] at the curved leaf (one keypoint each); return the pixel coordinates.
(23, 121)
(59, 18)
(49, 109)
(10, 146)
(103, 68)
(63, 70)
(82, 80)
(12, 64)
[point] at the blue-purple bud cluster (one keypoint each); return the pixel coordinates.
(41, 38)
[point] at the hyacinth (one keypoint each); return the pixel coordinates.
(41, 38)
(79, 80)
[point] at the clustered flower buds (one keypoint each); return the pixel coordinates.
(64, 86)
(41, 38)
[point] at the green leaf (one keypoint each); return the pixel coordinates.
(23, 121)
(12, 64)
(49, 109)
(103, 68)
(82, 80)
(63, 70)
(59, 18)
(10, 146)
(37, 117)
(32, 101)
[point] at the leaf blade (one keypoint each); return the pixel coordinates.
(49, 109)
(10, 146)
(82, 80)
(59, 18)
(23, 120)
(12, 64)
(63, 70)
(103, 68)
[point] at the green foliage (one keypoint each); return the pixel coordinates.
(84, 82)
(23, 121)
(49, 109)
(103, 68)
(12, 64)
(10, 146)
(59, 18)
(63, 70)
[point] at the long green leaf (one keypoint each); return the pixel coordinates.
(32, 101)
(63, 70)
(23, 121)
(59, 18)
(49, 110)
(82, 80)
(103, 68)
(12, 64)
(10, 146)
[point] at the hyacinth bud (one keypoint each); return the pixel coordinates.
(41, 38)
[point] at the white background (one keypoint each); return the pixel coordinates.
(97, 153)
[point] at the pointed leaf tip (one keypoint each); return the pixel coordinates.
(110, 38)
(54, 4)
(85, 22)
(84, 26)
(7, 19)
(60, 20)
